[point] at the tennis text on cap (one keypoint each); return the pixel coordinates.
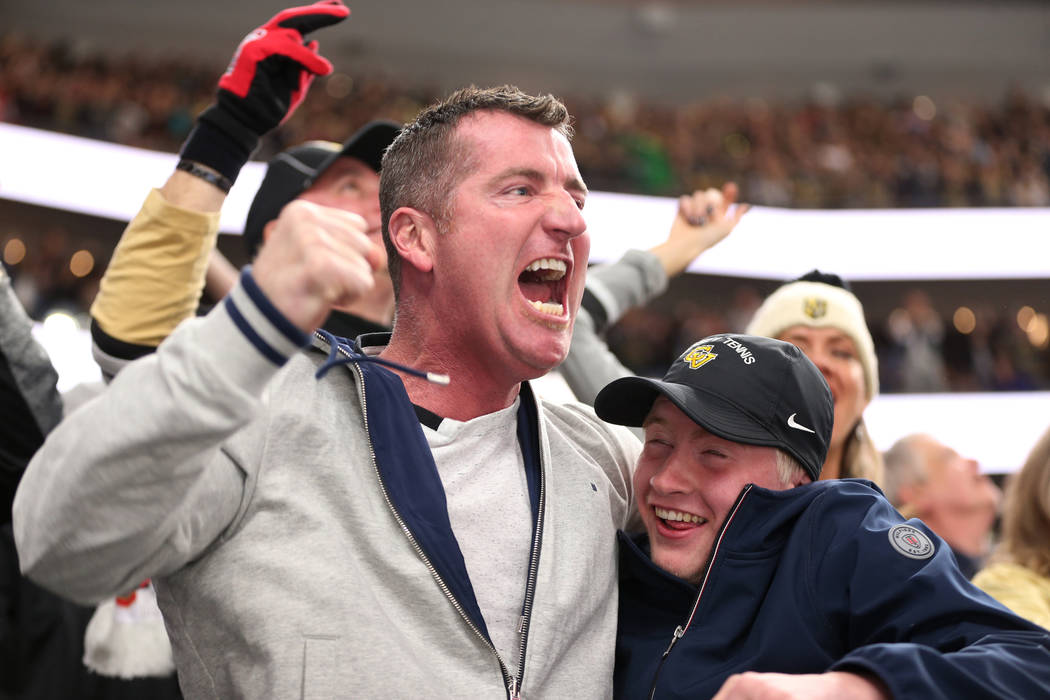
(700, 356)
(741, 350)
(814, 307)
(911, 542)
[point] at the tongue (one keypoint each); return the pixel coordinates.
(679, 525)
(536, 291)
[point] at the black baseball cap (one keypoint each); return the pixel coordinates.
(293, 170)
(743, 388)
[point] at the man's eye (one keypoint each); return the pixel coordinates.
(522, 190)
(656, 444)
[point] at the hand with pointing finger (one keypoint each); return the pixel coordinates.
(268, 77)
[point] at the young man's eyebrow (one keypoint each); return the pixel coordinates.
(651, 419)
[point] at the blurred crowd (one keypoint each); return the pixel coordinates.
(823, 152)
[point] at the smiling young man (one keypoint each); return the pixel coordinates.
(323, 531)
(754, 579)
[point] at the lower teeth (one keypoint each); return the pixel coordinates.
(547, 307)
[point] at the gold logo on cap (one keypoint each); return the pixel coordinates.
(814, 307)
(700, 356)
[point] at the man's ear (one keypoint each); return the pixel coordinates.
(412, 232)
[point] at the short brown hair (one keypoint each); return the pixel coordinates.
(425, 163)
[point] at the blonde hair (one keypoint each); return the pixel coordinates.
(789, 470)
(1026, 512)
(861, 459)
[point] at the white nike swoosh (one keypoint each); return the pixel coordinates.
(796, 426)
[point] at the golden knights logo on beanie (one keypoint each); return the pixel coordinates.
(747, 389)
(815, 307)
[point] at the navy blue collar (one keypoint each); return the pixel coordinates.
(406, 465)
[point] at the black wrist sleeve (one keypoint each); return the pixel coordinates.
(219, 142)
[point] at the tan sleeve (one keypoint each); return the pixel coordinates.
(1021, 590)
(156, 275)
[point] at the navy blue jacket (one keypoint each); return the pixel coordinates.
(806, 581)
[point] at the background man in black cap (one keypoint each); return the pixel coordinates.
(752, 580)
(343, 176)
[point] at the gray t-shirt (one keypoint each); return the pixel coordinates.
(483, 472)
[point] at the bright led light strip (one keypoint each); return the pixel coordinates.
(103, 179)
(858, 244)
(93, 177)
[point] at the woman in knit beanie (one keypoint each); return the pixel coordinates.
(819, 314)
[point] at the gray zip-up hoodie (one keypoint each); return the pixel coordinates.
(293, 529)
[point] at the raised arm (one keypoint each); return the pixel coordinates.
(156, 469)
(159, 268)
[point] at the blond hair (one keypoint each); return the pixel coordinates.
(789, 470)
(861, 459)
(1026, 512)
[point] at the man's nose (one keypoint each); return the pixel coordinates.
(821, 359)
(564, 216)
(672, 476)
(993, 494)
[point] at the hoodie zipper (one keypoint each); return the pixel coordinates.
(680, 630)
(512, 685)
(530, 586)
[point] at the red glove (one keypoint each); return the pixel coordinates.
(267, 79)
(295, 64)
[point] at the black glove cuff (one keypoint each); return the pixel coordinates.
(219, 142)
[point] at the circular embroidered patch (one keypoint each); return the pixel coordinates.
(911, 542)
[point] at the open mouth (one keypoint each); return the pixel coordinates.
(543, 283)
(678, 520)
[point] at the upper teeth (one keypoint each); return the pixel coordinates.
(678, 515)
(551, 268)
